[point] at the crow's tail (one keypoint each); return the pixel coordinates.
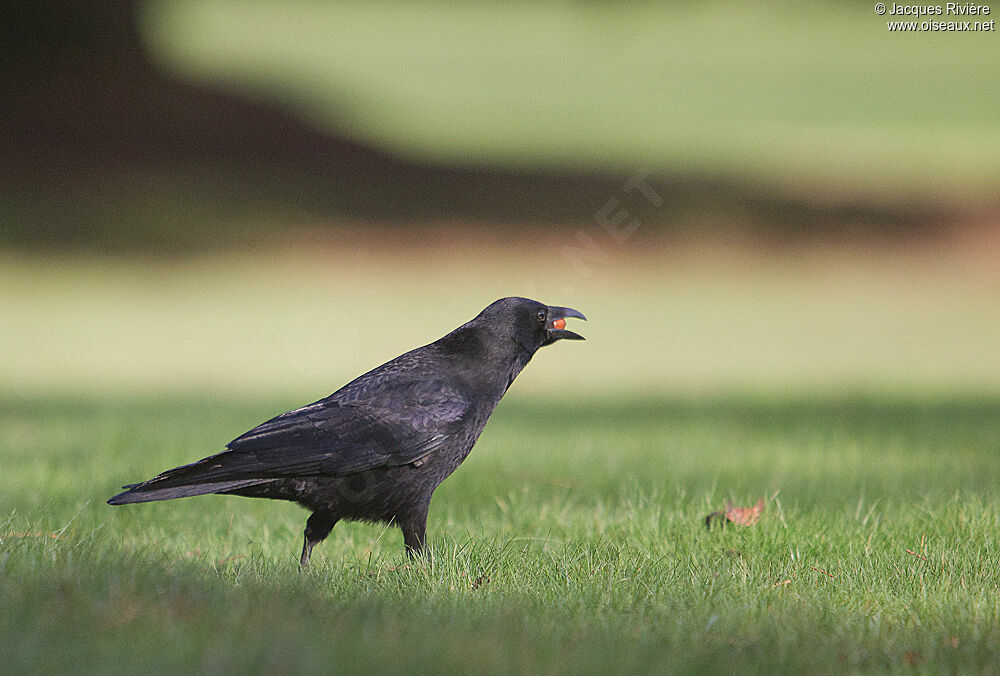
(209, 475)
(151, 492)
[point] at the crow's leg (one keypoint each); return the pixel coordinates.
(414, 528)
(318, 527)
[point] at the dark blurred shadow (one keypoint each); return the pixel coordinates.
(101, 150)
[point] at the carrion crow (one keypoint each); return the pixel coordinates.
(376, 449)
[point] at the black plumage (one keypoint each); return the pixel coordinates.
(376, 449)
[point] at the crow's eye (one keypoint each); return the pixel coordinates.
(541, 315)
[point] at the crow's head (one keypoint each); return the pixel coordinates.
(529, 323)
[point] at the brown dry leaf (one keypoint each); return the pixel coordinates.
(743, 516)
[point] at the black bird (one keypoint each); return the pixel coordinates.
(376, 449)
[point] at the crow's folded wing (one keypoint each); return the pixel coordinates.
(344, 434)
(334, 436)
(359, 427)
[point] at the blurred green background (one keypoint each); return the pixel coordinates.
(782, 220)
(240, 195)
(184, 124)
(816, 99)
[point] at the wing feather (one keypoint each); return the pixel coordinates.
(335, 436)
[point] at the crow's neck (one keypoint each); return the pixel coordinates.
(492, 360)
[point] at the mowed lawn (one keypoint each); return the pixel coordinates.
(573, 538)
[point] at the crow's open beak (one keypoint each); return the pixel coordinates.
(557, 324)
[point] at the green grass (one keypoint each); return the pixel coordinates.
(856, 392)
(815, 99)
(572, 540)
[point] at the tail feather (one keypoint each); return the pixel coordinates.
(198, 478)
(150, 492)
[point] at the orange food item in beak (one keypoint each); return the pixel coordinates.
(559, 324)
